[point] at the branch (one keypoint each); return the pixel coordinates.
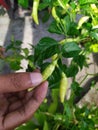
(86, 88)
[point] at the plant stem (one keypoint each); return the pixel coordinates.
(83, 79)
(87, 74)
(77, 39)
(96, 74)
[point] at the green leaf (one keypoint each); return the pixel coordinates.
(45, 43)
(83, 125)
(53, 106)
(40, 117)
(61, 28)
(73, 31)
(46, 16)
(82, 2)
(17, 43)
(31, 65)
(27, 126)
(43, 5)
(68, 111)
(72, 70)
(14, 45)
(80, 60)
(45, 49)
(30, 58)
(55, 28)
(63, 3)
(94, 35)
(54, 79)
(9, 47)
(58, 117)
(14, 61)
(13, 58)
(73, 4)
(70, 49)
(45, 127)
(23, 3)
(76, 88)
(66, 22)
(74, 127)
(26, 51)
(15, 65)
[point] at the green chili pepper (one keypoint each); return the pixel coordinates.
(49, 70)
(63, 87)
(54, 14)
(82, 20)
(35, 11)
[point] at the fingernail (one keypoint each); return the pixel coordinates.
(36, 78)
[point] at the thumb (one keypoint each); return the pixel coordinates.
(19, 81)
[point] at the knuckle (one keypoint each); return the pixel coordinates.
(16, 81)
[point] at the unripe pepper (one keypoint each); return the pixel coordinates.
(63, 87)
(54, 14)
(35, 11)
(82, 21)
(49, 70)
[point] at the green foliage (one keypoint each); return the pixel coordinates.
(82, 2)
(70, 49)
(45, 45)
(24, 3)
(80, 40)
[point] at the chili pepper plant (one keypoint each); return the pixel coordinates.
(77, 22)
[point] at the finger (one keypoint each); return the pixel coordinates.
(12, 100)
(14, 106)
(18, 103)
(3, 105)
(39, 94)
(28, 96)
(22, 94)
(18, 117)
(19, 81)
(19, 95)
(8, 95)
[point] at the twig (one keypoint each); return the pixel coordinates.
(86, 88)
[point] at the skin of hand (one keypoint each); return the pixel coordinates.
(17, 105)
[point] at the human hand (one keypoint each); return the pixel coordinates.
(17, 105)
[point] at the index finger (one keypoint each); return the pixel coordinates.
(19, 81)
